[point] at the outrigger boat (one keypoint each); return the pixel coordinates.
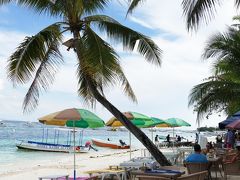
(109, 144)
(53, 147)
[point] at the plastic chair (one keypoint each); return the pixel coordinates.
(193, 167)
(231, 169)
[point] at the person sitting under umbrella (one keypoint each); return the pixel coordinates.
(122, 143)
(89, 145)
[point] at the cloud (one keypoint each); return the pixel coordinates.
(141, 22)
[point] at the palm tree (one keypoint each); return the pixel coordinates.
(198, 10)
(38, 57)
(220, 92)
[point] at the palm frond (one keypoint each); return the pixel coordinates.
(198, 10)
(102, 65)
(129, 38)
(222, 45)
(94, 5)
(23, 62)
(47, 7)
(126, 86)
(44, 76)
(133, 5)
(213, 95)
(2, 2)
(237, 3)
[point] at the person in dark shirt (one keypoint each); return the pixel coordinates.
(122, 143)
(156, 140)
(168, 138)
(179, 139)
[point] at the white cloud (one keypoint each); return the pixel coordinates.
(141, 22)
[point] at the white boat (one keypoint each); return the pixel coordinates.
(50, 147)
(44, 145)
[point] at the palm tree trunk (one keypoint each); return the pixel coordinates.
(160, 158)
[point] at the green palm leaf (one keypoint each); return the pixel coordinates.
(129, 38)
(214, 95)
(24, 61)
(133, 5)
(104, 64)
(197, 11)
(44, 76)
(94, 5)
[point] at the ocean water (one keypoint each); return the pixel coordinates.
(14, 131)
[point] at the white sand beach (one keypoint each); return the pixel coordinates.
(89, 161)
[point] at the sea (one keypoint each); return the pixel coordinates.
(12, 132)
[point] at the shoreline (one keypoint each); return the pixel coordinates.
(84, 162)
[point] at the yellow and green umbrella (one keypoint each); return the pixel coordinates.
(73, 117)
(139, 120)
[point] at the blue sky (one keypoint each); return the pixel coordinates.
(161, 92)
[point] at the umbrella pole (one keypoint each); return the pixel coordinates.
(74, 155)
(130, 144)
(152, 133)
(173, 138)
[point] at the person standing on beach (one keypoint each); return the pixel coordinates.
(168, 138)
(219, 141)
(197, 138)
(156, 140)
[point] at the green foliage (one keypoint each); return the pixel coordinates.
(133, 5)
(197, 11)
(220, 92)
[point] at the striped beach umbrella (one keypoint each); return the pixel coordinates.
(80, 118)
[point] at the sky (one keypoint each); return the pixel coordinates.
(161, 91)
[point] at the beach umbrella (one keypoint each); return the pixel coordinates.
(160, 123)
(138, 119)
(73, 117)
(234, 125)
(229, 120)
(176, 122)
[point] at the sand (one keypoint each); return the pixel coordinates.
(31, 170)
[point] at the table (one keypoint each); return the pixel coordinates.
(166, 175)
(54, 177)
(121, 174)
